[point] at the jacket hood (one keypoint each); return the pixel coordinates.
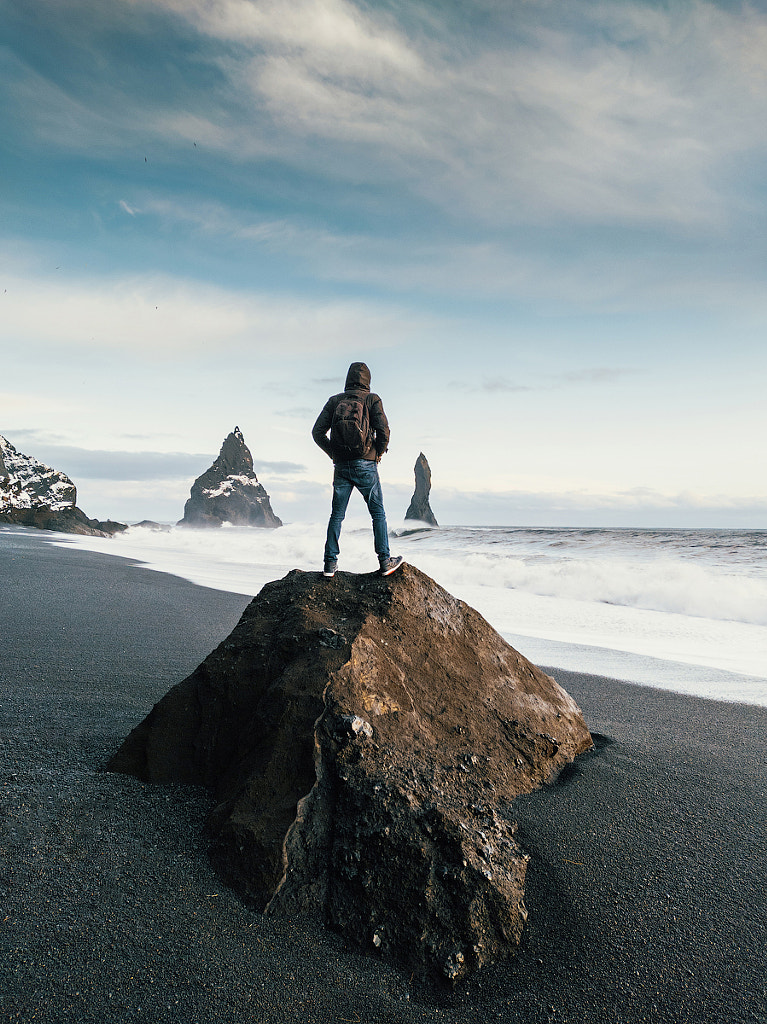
(358, 378)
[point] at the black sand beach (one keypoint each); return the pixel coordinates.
(646, 888)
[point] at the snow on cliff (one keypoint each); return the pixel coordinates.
(26, 483)
(229, 491)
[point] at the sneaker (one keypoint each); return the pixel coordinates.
(390, 565)
(330, 569)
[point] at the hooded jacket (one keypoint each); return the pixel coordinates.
(357, 379)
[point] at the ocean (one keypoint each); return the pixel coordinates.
(685, 610)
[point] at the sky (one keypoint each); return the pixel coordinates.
(541, 223)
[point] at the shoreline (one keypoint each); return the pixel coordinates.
(645, 888)
(631, 663)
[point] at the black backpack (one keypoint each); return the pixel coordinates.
(350, 433)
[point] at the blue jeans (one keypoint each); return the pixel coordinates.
(362, 474)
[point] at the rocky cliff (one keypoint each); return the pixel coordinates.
(33, 494)
(365, 738)
(419, 507)
(229, 491)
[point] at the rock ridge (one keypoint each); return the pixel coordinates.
(419, 507)
(33, 494)
(229, 491)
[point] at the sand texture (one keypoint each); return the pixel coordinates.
(646, 888)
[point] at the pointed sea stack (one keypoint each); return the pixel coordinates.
(419, 507)
(33, 494)
(229, 492)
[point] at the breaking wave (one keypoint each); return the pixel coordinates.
(689, 598)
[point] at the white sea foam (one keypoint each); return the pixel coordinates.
(681, 609)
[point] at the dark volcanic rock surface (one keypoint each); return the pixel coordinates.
(365, 738)
(33, 494)
(419, 507)
(229, 491)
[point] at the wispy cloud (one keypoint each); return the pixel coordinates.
(609, 273)
(337, 38)
(162, 316)
(549, 382)
(297, 412)
(278, 469)
(619, 115)
(602, 508)
(94, 464)
(593, 375)
(495, 384)
(102, 464)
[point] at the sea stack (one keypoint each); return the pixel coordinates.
(229, 491)
(33, 494)
(365, 738)
(419, 507)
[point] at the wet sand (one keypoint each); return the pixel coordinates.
(646, 888)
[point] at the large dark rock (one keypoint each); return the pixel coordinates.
(365, 738)
(33, 494)
(419, 507)
(229, 491)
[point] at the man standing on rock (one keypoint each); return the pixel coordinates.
(359, 435)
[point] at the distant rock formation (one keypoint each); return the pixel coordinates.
(365, 738)
(419, 507)
(229, 492)
(33, 494)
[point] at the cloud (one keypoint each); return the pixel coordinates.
(163, 316)
(629, 113)
(621, 114)
(45, 112)
(551, 382)
(502, 155)
(298, 412)
(95, 464)
(593, 375)
(99, 464)
(642, 507)
(217, 219)
(336, 37)
(278, 468)
(134, 500)
(494, 384)
(103, 464)
(630, 498)
(609, 273)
